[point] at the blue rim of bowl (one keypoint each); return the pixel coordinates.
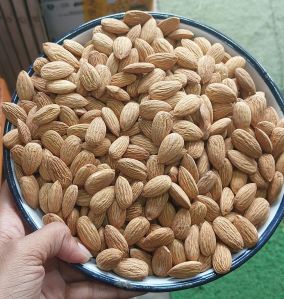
(169, 285)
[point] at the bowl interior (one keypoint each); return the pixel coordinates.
(263, 83)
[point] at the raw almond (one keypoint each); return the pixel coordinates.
(228, 233)
(207, 239)
(222, 259)
(88, 234)
(191, 244)
(157, 186)
(161, 261)
(114, 239)
(99, 180)
(30, 190)
(132, 268)
(123, 191)
(171, 146)
(185, 269)
(136, 229)
(247, 231)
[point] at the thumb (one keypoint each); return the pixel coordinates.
(54, 239)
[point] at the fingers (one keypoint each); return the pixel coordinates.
(11, 226)
(52, 240)
(97, 290)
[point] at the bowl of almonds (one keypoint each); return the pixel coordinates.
(157, 140)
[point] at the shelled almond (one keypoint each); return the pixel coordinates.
(155, 147)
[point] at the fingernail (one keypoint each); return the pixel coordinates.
(85, 251)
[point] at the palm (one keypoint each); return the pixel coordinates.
(55, 280)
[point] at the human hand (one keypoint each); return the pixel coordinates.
(29, 267)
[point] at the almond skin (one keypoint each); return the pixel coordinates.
(228, 233)
(157, 186)
(31, 158)
(222, 259)
(207, 239)
(108, 259)
(114, 239)
(88, 234)
(247, 231)
(185, 269)
(161, 261)
(132, 268)
(102, 200)
(159, 237)
(123, 191)
(30, 190)
(136, 229)
(170, 147)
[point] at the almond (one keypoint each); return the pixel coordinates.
(220, 93)
(88, 234)
(205, 68)
(275, 186)
(181, 224)
(114, 239)
(222, 259)
(121, 47)
(69, 200)
(56, 70)
(247, 231)
(108, 259)
(24, 86)
(70, 148)
(157, 186)
(129, 115)
(213, 209)
(159, 237)
(155, 205)
(164, 61)
(242, 162)
(266, 164)
(99, 180)
(228, 233)
(191, 244)
(14, 112)
(207, 239)
(56, 52)
(55, 195)
(171, 146)
(177, 252)
(245, 196)
(216, 151)
(132, 268)
(132, 168)
(31, 158)
(226, 201)
(30, 190)
(198, 211)
(187, 130)
(123, 191)
(161, 261)
(245, 81)
(115, 215)
(245, 143)
(96, 131)
(115, 26)
(185, 269)
(155, 76)
(136, 229)
(163, 90)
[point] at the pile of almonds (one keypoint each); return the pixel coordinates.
(152, 145)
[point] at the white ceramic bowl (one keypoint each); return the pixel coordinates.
(155, 284)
